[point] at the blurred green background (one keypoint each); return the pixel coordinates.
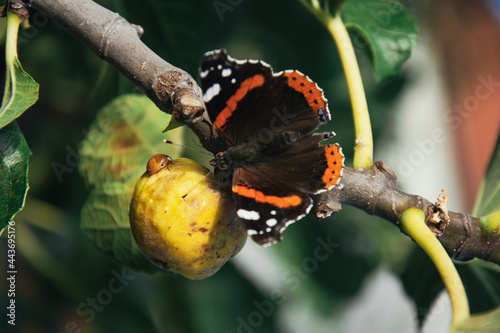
(64, 281)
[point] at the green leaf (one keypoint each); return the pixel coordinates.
(173, 124)
(114, 154)
(385, 31)
(105, 223)
(21, 91)
(485, 322)
(488, 200)
(14, 154)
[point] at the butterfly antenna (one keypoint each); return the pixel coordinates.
(198, 183)
(187, 147)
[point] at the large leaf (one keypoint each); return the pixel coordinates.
(21, 91)
(114, 154)
(488, 200)
(105, 222)
(385, 30)
(14, 153)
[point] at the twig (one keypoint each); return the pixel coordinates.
(363, 149)
(374, 190)
(413, 222)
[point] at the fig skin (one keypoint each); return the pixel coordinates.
(184, 222)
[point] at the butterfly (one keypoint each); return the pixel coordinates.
(268, 147)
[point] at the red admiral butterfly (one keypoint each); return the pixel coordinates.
(265, 122)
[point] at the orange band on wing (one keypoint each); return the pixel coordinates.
(247, 85)
(335, 161)
(280, 202)
(310, 90)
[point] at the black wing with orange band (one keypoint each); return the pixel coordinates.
(245, 100)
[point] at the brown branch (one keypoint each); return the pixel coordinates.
(373, 190)
(117, 41)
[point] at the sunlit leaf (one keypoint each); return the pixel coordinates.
(14, 154)
(114, 154)
(21, 91)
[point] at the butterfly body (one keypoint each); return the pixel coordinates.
(268, 150)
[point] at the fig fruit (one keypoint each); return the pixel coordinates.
(182, 219)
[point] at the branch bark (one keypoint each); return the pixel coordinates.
(373, 190)
(113, 39)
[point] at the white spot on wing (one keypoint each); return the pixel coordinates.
(273, 212)
(248, 214)
(219, 67)
(211, 92)
(251, 232)
(233, 80)
(271, 222)
(226, 72)
(204, 74)
(269, 243)
(268, 229)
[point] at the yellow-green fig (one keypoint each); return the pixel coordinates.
(182, 219)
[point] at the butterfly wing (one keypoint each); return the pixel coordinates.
(305, 165)
(245, 100)
(270, 118)
(273, 193)
(266, 207)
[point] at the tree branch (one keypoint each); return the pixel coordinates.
(116, 41)
(373, 190)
